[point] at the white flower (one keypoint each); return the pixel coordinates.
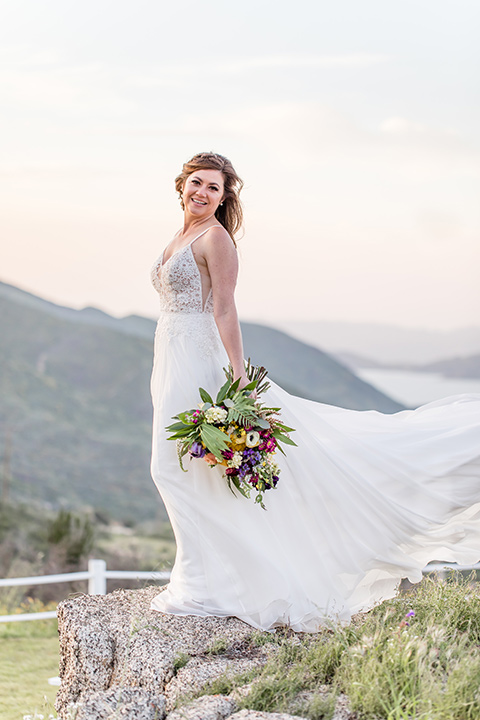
(215, 414)
(273, 466)
(253, 438)
(236, 460)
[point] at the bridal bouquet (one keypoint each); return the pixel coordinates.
(235, 432)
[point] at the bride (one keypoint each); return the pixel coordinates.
(364, 500)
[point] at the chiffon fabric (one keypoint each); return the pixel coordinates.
(364, 500)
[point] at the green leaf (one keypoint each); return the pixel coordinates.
(284, 439)
(242, 410)
(179, 426)
(180, 434)
(285, 428)
(234, 386)
(236, 481)
(205, 396)
(183, 416)
(214, 439)
(228, 402)
(222, 393)
(262, 423)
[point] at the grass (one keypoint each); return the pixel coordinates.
(416, 656)
(28, 657)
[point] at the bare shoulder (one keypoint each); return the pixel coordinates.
(218, 243)
(218, 247)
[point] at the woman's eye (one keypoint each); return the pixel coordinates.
(195, 182)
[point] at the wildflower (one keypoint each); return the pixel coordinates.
(215, 414)
(268, 445)
(197, 450)
(405, 622)
(253, 439)
(237, 440)
(236, 460)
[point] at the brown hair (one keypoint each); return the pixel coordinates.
(230, 213)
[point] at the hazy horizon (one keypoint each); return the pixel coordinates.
(374, 341)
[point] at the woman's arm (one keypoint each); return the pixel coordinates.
(222, 262)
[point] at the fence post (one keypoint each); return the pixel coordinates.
(97, 584)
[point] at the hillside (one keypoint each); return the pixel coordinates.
(76, 409)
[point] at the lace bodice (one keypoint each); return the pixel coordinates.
(179, 284)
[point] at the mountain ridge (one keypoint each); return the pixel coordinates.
(76, 401)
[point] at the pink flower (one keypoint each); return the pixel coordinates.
(268, 445)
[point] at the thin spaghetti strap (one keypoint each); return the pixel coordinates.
(202, 233)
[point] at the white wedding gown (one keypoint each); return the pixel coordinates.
(364, 500)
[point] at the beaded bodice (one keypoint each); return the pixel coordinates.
(178, 282)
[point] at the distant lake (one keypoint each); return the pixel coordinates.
(416, 388)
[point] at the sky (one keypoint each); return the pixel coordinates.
(355, 126)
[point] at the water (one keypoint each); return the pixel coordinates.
(416, 388)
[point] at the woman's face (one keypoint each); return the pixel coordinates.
(203, 192)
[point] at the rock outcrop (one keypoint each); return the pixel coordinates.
(120, 659)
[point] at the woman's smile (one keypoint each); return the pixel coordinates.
(204, 190)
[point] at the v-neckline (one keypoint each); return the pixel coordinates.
(164, 262)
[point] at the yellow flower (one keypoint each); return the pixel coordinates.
(237, 442)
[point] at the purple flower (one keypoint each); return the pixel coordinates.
(410, 614)
(196, 450)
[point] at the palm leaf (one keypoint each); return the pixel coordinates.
(242, 409)
(214, 439)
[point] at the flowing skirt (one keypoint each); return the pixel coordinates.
(364, 500)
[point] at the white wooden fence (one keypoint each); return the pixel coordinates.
(97, 576)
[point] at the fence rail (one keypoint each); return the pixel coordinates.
(97, 576)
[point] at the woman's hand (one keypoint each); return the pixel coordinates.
(244, 381)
